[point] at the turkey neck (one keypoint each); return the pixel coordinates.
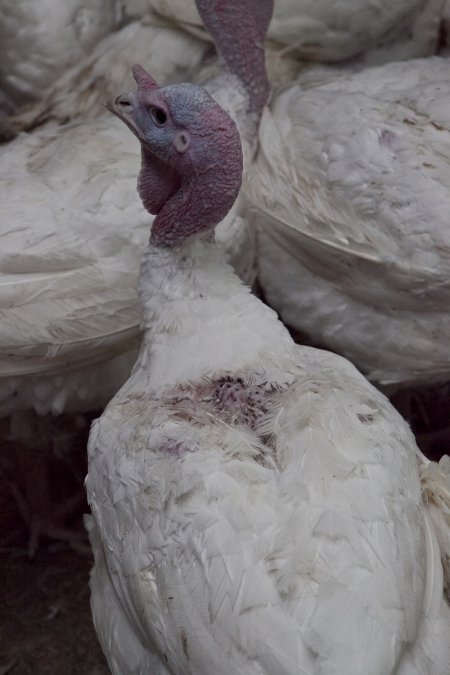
(201, 321)
(230, 93)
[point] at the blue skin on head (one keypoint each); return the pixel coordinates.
(191, 157)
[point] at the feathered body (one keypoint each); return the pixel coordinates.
(72, 307)
(82, 89)
(257, 505)
(350, 191)
(39, 39)
(67, 274)
(317, 30)
(71, 237)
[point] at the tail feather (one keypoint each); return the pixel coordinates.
(435, 480)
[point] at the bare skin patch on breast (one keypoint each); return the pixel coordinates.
(228, 398)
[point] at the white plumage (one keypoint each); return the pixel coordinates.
(318, 30)
(83, 88)
(69, 302)
(274, 527)
(71, 232)
(256, 505)
(351, 195)
(70, 241)
(67, 266)
(39, 39)
(435, 481)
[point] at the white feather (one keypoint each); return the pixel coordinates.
(71, 235)
(39, 39)
(350, 192)
(82, 89)
(319, 561)
(318, 30)
(435, 479)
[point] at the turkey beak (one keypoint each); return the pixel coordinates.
(123, 107)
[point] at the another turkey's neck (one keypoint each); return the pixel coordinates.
(201, 321)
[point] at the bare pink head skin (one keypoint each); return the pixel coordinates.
(239, 28)
(191, 170)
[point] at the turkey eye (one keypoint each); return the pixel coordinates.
(158, 116)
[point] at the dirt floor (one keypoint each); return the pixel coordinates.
(45, 618)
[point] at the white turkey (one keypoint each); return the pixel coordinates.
(289, 183)
(68, 273)
(256, 504)
(70, 240)
(351, 195)
(350, 192)
(72, 232)
(39, 39)
(320, 30)
(82, 89)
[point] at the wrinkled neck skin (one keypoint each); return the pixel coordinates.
(201, 321)
(239, 30)
(229, 92)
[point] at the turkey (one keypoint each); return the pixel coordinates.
(256, 505)
(82, 89)
(39, 39)
(317, 30)
(68, 275)
(351, 194)
(70, 240)
(70, 321)
(328, 291)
